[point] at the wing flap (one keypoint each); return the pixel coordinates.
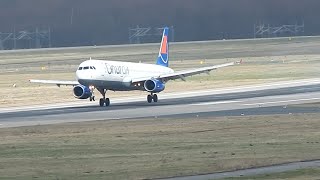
(57, 82)
(184, 73)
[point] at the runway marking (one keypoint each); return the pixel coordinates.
(266, 85)
(275, 102)
(213, 103)
(278, 168)
(217, 92)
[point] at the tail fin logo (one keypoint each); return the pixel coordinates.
(164, 50)
(164, 47)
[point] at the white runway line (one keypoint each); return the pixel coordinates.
(244, 88)
(213, 103)
(218, 92)
(287, 101)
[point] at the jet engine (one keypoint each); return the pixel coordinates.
(154, 85)
(81, 92)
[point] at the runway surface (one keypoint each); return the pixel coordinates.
(270, 98)
(253, 171)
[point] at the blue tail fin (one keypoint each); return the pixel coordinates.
(163, 57)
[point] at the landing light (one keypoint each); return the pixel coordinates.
(91, 87)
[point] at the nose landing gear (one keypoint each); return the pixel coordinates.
(92, 97)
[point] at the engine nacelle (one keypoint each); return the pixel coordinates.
(154, 85)
(81, 92)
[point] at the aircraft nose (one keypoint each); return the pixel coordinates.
(78, 75)
(84, 75)
(85, 78)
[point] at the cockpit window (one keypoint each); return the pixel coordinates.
(86, 67)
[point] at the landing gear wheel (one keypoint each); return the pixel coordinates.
(155, 98)
(101, 102)
(90, 98)
(107, 101)
(149, 98)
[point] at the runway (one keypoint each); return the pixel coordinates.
(271, 98)
(280, 168)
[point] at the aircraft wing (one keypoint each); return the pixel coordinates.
(184, 73)
(57, 82)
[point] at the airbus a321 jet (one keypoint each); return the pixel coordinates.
(126, 76)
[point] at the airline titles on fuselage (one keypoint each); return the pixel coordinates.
(116, 69)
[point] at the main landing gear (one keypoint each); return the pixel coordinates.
(151, 97)
(103, 101)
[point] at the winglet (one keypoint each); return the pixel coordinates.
(163, 57)
(239, 62)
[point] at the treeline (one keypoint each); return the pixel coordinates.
(84, 22)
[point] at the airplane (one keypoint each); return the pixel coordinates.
(127, 76)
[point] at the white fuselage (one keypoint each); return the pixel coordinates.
(116, 75)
